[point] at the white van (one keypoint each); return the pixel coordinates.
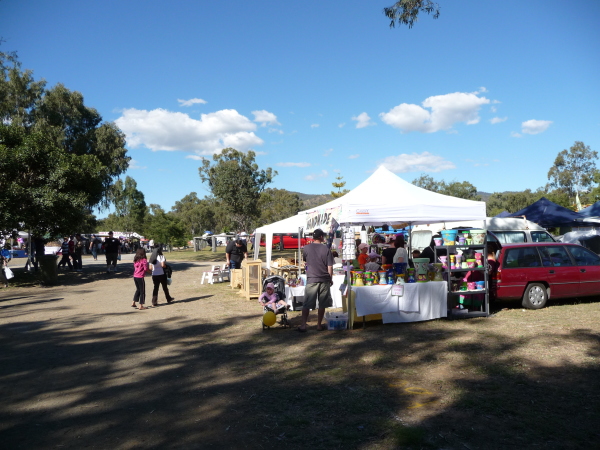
(508, 230)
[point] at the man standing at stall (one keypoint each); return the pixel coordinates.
(319, 273)
(235, 252)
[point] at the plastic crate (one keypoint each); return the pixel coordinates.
(336, 321)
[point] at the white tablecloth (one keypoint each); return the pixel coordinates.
(421, 301)
(298, 291)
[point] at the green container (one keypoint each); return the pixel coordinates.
(49, 269)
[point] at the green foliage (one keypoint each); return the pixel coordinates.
(574, 170)
(511, 201)
(339, 185)
(130, 206)
(458, 189)
(162, 227)
(277, 204)
(236, 181)
(55, 148)
(44, 188)
(406, 12)
(195, 215)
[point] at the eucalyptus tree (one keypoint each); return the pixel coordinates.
(236, 181)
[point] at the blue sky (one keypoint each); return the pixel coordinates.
(489, 93)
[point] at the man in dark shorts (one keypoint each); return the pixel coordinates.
(235, 252)
(319, 272)
(112, 248)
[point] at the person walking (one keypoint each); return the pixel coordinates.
(94, 244)
(158, 262)
(140, 267)
(319, 273)
(112, 248)
(4, 259)
(77, 260)
(64, 249)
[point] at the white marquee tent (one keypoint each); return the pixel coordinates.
(383, 198)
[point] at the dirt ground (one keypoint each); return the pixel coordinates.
(80, 368)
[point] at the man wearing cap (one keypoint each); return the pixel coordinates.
(319, 270)
(235, 253)
(112, 248)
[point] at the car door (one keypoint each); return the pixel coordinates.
(519, 266)
(561, 273)
(588, 264)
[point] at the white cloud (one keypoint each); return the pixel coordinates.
(535, 126)
(134, 164)
(424, 162)
(353, 156)
(515, 134)
(315, 176)
(327, 152)
(496, 120)
(446, 111)
(275, 130)
(342, 125)
(493, 109)
(160, 129)
(293, 164)
(363, 120)
(190, 102)
(315, 125)
(265, 118)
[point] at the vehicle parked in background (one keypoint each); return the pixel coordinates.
(290, 240)
(506, 229)
(537, 271)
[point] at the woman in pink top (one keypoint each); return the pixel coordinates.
(140, 267)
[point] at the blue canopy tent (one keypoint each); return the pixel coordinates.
(548, 214)
(591, 211)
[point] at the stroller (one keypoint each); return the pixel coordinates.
(279, 283)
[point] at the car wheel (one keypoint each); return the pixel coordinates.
(535, 296)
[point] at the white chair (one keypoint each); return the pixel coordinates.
(225, 273)
(211, 276)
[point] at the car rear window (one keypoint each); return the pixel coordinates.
(510, 237)
(522, 257)
(555, 256)
(584, 257)
(541, 236)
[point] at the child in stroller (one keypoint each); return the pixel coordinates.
(270, 299)
(273, 298)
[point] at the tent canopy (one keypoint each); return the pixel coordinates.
(289, 225)
(385, 198)
(548, 214)
(591, 211)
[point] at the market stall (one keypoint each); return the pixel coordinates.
(405, 203)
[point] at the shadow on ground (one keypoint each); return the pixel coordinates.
(226, 384)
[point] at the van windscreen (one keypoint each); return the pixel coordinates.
(510, 237)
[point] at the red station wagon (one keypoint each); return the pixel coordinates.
(537, 271)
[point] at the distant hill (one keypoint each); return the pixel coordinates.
(484, 195)
(313, 200)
